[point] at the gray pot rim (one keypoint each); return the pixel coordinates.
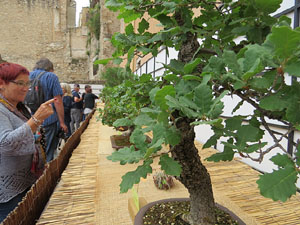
(139, 216)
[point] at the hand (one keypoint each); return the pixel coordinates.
(64, 127)
(45, 110)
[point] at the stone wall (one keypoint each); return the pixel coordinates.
(31, 29)
(109, 24)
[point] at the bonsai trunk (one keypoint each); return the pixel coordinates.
(194, 176)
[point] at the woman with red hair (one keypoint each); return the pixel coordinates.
(21, 160)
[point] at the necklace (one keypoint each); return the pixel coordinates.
(11, 107)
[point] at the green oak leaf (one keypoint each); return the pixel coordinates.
(292, 68)
(171, 77)
(153, 148)
(292, 111)
(191, 77)
(226, 155)
(173, 102)
(143, 119)
(278, 185)
(129, 29)
(130, 55)
(129, 15)
(216, 65)
(152, 93)
(215, 122)
(172, 136)
(103, 61)
(175, 66)
(123, 39)
(164, 19)
(231, 60)
(161, 94)
(143, 25)
(211, 141)
(169, 165)
(117, 61)
(233, 123)
(282, 160)
(268, 103)
(248, 133)
(139, 139)
(189, 112)
(133, 177)
(158, 132)
(203, 98)
(187, 102)
(285, 41)
(256, 68)
(238, 106)
(123, 122)
(184, 87)
(145, 78)
(254, 147)
(189, 67)
(268, 6)
(126, 155)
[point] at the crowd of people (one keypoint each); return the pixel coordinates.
(29, 139)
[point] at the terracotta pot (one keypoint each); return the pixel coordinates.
(121, 141)
(139, 216)
(122, 128)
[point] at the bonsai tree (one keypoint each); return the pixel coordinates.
(211, 64)
(124, 100)
(114, 76)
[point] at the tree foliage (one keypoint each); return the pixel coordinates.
(215, 65)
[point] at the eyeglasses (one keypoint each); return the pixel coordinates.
(21, 83)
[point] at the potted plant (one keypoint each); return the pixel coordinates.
(209, 66)
(125, 101)
(162, 180)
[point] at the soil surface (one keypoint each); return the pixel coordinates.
(170, 214)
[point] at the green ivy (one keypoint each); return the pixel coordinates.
(93, 22)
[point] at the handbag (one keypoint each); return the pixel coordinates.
(37, 168)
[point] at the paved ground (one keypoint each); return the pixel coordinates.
(88, 192)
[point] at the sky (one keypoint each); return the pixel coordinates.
(79, 5)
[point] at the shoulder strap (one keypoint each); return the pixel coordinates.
(40, 74)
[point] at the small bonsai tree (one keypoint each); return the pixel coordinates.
(209, 66)
(115, 76)
(125, 100)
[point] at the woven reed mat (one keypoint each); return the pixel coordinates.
(88, 192)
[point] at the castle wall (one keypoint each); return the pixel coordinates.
(109, 24)
(31, 29)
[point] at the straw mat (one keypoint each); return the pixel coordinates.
(88, 192)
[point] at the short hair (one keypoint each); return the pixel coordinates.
(10, 71)
(44, 64)
(76, 85)
(87, 86)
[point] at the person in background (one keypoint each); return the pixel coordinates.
(52, 89)
(83, 94)
(76, 110)
(21, 154)
(67, 102)
(89, 100)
